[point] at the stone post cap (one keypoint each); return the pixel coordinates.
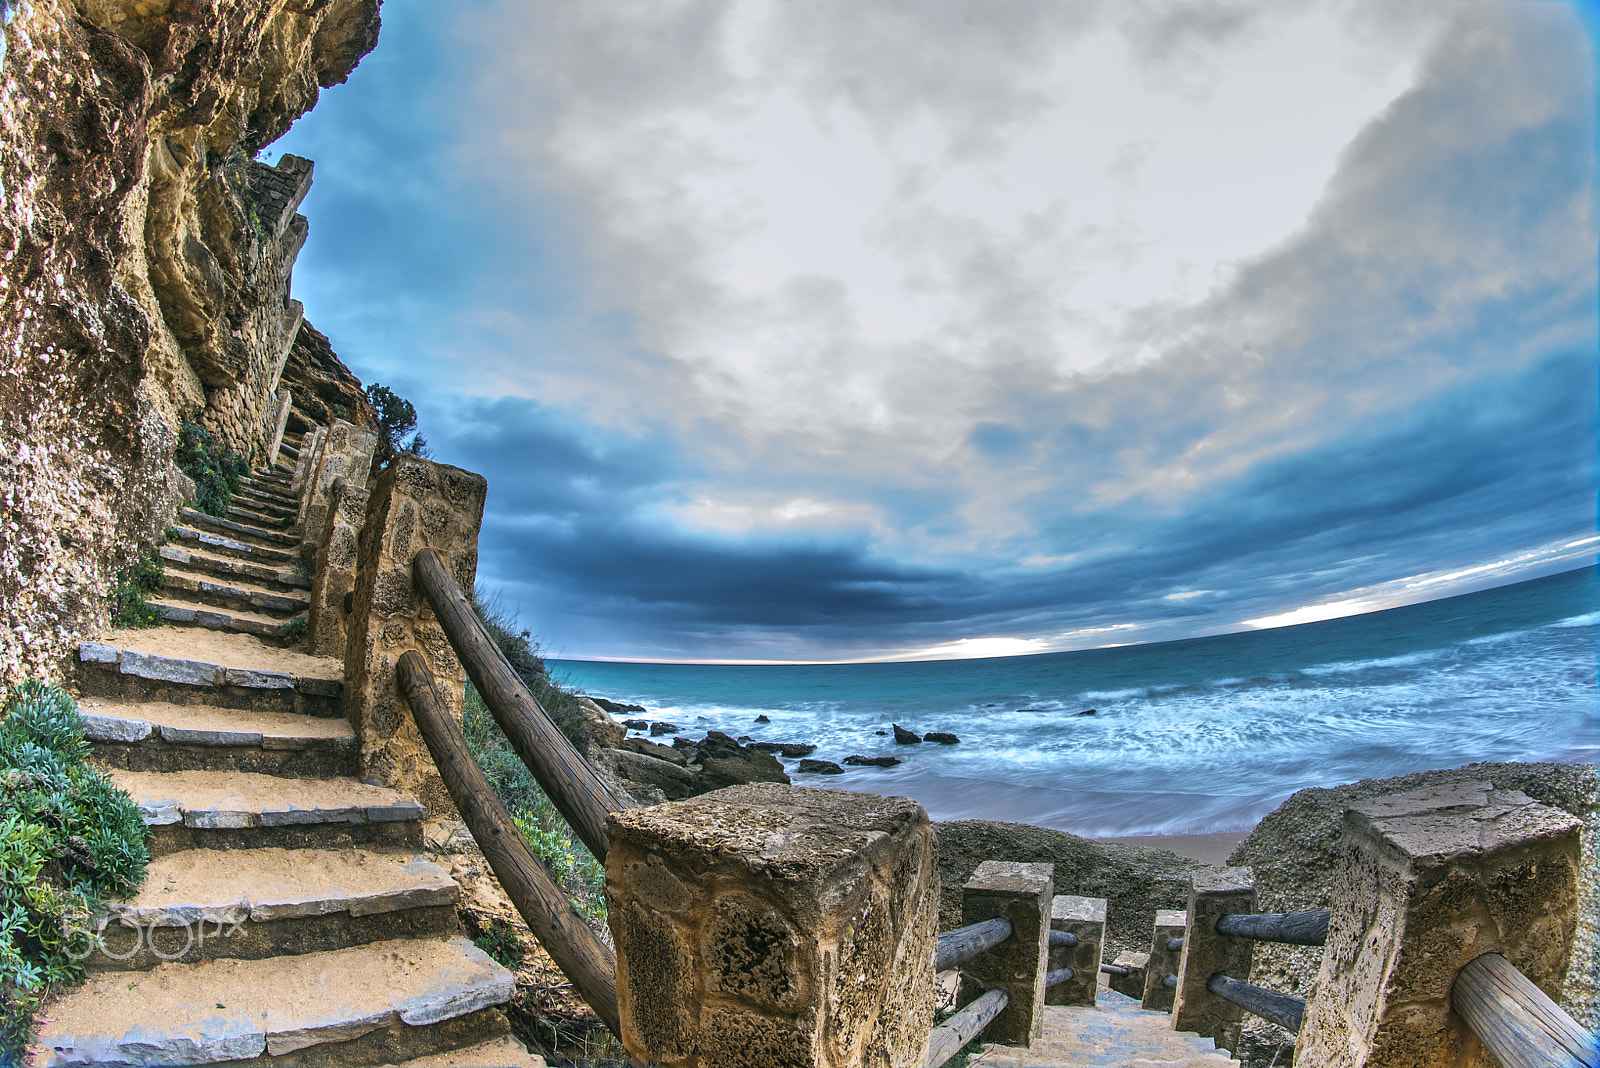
(1171, 917)
(1441, 824)
(1012, 877)
(1072, 907)
(415, 476)
(1224, 880)
(794, 834)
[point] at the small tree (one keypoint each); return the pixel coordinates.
(396, 419)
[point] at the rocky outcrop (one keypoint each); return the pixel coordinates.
(1134, 880)
(323, 387)
(145, 271)
(1295, 853)
(688, 769)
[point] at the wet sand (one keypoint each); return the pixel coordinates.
(1210, 848)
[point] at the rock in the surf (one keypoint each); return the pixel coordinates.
(724, 762)
(636, 724)
(820, 767)
(858, 761)
(788, 749)
(905, 737)
(661, 727)
(1087, 712)
(763, 719)
(616, 708)
(941, 737)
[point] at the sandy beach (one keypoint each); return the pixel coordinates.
(1210, 848)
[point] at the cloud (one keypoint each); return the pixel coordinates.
(824, 330)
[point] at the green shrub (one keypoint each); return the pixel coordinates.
(214, 470)
(69, 839)
(522, 653)
(128, 606)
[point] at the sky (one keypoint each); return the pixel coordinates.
(816, 330)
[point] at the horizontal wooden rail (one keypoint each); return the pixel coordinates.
(1175, 944)
(1170, 982)
(947, 1039)
(1062, 939)
(1517, 1021)
(1285, 1010)
(576, 949)
(1057, 977)
(1115, 969)
(1294, 928)
(964, 943)
(561, 771)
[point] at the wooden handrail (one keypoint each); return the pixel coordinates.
(964, 943)
(947, 1039)
(1285, 1010)
(1058, 976)
(1293, 928)
(561, 771)
(576, 949)
(1517, 1021)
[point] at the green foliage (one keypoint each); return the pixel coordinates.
(396, 419)
(295, 629)
(501, 942)
(214, 470)
(567, 859)
(128, 606)
(68, 840)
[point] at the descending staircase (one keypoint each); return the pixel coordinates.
(1114, 1033)
(288, 917)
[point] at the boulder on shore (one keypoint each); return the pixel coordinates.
(636, 724)
(660, 727)
(602, 728)
(616, 708)
(905, 737)
(724, 762)
(820, 767)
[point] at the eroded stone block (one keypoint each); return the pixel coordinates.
(1022, 893)
(1163, 961)
(1215, 892)
(773, 924)
(1429, 880)
(1085, 919)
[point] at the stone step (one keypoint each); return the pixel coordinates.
(263, 576)
(181, 584)
(266, 480)
(264, 517)
(502, 1052)
(161, 736)
(250, 904)
(280, 500)
(241, 531)
(194, 809)
(1115, 1031)
(226, 546)
(374, 1004)
(216, 668)
(184, 613)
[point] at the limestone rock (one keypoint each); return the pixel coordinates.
(856, 760)
(905, 737)
(602, 728)
(820, 767)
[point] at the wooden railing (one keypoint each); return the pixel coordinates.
(1293, 928)
(1517, 1021)
(961, 945)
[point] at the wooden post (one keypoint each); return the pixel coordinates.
(580, 955)
(562, 773)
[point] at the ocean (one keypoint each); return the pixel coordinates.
(1187, 737)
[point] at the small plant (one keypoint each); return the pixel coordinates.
(304, 569)
(501, 941)
(295, 629)
(214, 470)
(69, 839)
(128, 605)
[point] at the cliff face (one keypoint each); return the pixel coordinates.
(145, 264)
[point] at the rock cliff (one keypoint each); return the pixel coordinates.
(145, 263)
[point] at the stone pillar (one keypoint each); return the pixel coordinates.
(310, 453)
(1205, 952)
(337, 552)
(774, 925)
(1157, 995)
(415, 504)
(1022, 894)
(346, 453)
(1086, 918)
(279, 421)
(1428, 881)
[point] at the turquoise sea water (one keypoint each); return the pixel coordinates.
(1208, 734)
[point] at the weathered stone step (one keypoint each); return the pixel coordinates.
(277, 500)
(265, 576)
(183, 809)
(502, 1052)
(385, 1002)
(182, 584)
(250, 904)
(161, 736)
(264, 517)
(231, 546)
(242, 531)
(187, 614)
(1115, 1031)
(266, 480)
(238, 671)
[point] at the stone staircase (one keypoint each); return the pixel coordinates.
(1114, 1033)
(288, 917)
